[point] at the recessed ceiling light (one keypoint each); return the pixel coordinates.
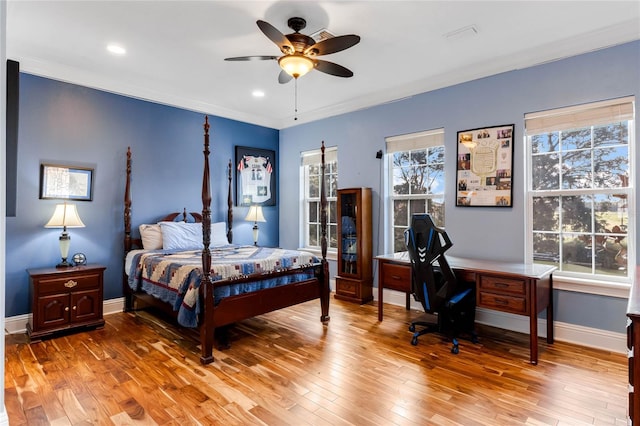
(116, 49)
(258, 94)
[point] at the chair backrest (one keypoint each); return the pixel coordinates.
(426, 243)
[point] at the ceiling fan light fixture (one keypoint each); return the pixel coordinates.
(296, 65)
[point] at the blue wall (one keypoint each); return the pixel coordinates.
(67, 124)
(496, 100)
(64, 123)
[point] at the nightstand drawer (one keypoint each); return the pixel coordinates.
(502, 302)
(502, 285)
(78, 282)
(396, 277)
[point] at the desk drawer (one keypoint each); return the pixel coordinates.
(502, 302)
(465, 276)
(396, 277)
(501, 285)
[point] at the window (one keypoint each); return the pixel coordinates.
(311, 172)
(416, 180)
(580, 200)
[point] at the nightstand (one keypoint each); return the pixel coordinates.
(65, 299)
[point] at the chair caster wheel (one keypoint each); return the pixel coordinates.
(414, 341)
(455, 350)
(412, 328)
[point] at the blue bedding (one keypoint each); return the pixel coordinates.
(174, 276)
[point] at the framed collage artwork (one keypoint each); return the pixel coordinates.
(485, 167)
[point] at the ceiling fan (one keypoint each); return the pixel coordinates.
(300, 51)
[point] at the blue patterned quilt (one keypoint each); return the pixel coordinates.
(174, 276)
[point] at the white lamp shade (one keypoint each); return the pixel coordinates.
(65, 215)
(255, 214)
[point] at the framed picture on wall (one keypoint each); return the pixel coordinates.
(66, 182)
(484, 167)
(255, 176)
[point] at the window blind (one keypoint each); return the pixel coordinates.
(579, 116)
(412, 141)
(315, 157)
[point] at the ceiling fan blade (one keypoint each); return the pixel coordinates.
(333, 45)
(331, 68)
(275, 36)
(252, 58)
(284, 77)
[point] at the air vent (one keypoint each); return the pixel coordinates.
(464, 32)
(321, 35)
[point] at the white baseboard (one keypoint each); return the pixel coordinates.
(564, 332)
(113, 306)
(18, 323)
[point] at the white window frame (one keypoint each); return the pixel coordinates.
(592, 114)
(408, 142)
(308, 159)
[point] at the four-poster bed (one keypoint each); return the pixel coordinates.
(213, 292)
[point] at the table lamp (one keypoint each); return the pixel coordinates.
(65, 216)
(255, 215)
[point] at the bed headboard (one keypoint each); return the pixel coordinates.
(182, 217)
(131, 242)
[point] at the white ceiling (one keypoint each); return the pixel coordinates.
(175, 49)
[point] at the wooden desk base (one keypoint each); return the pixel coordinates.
(633, 345)
(521, 289)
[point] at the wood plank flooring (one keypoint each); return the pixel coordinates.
(286, 368)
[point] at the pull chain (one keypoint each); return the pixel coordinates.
(295, 117)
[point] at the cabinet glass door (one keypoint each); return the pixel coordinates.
(349, 237)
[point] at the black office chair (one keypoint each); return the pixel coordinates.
(436, 287)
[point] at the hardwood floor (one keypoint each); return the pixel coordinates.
(286, 368)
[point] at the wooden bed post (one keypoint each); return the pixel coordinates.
(127, 205)
(230, 207)
(128, 302)
(325, 290)
(207, 329)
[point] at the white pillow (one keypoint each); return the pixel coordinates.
(151, 236)
(181, 236)
(219, 234)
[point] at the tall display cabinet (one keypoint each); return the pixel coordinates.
(354, 281)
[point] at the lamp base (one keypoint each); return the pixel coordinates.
(255, 234)
(64, 264)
